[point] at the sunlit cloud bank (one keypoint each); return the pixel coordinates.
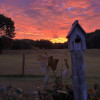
(50, 19)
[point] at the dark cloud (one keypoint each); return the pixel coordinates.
(39, 29)
(54, 10)
(55, 36)
(63, 28)
(34, 13)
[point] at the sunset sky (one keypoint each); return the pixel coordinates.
(50, 19)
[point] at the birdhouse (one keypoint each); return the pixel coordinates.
(76, 37)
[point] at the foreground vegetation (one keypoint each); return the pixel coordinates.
(56, 90)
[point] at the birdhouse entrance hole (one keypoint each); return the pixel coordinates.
(78, 39)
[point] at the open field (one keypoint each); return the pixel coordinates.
(11, 63)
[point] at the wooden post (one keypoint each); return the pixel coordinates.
(78, 71)
(76, 45)
(23, 64)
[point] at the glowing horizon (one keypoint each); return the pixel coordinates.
(50, 19)
(59, 40)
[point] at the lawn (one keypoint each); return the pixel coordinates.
(11, 64)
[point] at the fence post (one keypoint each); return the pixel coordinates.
(23, 64)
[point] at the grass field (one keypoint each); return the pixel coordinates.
(11, 63)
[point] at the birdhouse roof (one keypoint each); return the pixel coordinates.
(73, 27)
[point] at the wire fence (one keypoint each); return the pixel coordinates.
(12, 62)
(24, 62)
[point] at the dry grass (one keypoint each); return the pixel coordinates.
(11, 63)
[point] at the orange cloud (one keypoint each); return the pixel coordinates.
(50, 19)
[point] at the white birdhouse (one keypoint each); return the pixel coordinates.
(76, 37)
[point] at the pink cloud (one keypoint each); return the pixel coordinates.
(48, 19)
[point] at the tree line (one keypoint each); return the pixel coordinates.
(92, 41)
(30, 44)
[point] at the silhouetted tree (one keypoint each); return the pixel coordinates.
(6, 31)
(93, 39)
(5, 42)
(22, 44)
(6, 27)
